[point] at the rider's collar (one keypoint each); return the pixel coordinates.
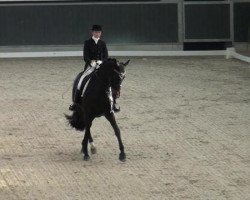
(95, 39)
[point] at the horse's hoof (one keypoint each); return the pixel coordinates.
(93, 150)
(86, 157)
(122, 157)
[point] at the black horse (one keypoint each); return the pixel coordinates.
(97, 101)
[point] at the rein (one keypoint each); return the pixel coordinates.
(107, 85)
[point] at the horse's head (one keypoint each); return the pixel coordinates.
(118, 74)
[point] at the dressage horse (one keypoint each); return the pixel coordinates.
(97, 101)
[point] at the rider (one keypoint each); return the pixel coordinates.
(94, 53)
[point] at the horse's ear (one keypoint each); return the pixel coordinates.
(126, 63)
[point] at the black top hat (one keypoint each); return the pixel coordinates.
(96, 28)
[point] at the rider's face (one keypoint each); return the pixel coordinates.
(96, 34)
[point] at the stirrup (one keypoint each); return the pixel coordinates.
(72, 107)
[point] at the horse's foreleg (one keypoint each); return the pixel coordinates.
(111, 118)
(92, 146)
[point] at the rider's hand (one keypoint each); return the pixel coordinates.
(93, 63)
(99, 62)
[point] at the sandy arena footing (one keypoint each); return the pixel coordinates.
(185, 123)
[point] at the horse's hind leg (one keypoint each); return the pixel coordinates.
(86, 139)
(111, 118)
(85, 146)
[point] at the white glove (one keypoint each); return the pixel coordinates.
(93, 64)
(99, 62)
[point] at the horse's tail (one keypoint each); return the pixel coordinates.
(76, 120)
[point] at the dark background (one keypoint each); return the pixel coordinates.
(69, 23)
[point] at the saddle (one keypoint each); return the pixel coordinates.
(81, 82)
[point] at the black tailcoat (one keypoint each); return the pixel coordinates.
(93, 51)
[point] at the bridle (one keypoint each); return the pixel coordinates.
(120, 74)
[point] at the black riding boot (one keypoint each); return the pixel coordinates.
(76, 100)
(72, 107)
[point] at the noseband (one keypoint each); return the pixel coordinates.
(120, 74)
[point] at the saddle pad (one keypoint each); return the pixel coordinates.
(85, 76)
